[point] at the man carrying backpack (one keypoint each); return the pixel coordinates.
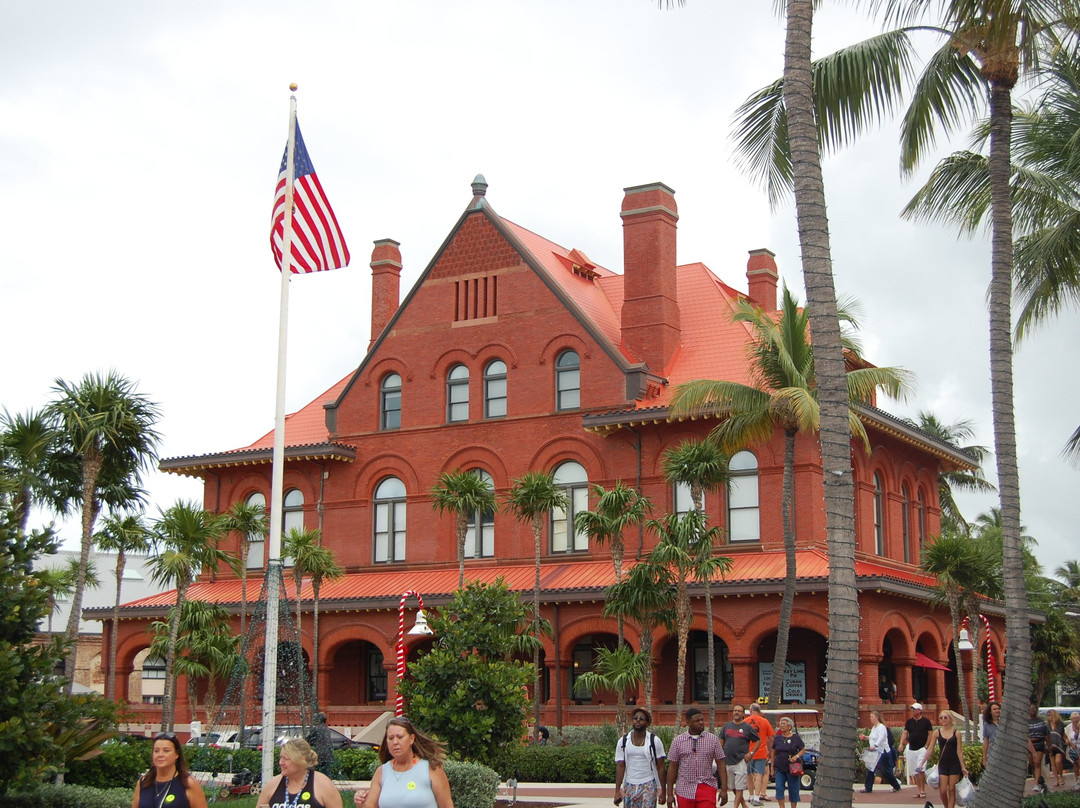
(640, 765)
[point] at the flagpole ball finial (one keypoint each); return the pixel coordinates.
(293, 86)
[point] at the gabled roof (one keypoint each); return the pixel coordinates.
(574, 579)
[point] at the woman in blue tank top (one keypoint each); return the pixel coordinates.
(411, 774)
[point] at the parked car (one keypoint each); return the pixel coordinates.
(807, 723)
(337, 739)
(223, 738)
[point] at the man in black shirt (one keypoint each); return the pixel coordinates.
(917, 731)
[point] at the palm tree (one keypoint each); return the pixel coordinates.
(784, 396)
(1068, 587)
(246, 519)
(646, 595)
(955, 434)
(189, 537)
(988, 45)
(462, 493)
(26, 441)
(206, 648)
(703, 467)
(616, 670)
(613, 512)
(531, 498)
(685, 550)
(317, 562)
(108, 429)
(122, 535)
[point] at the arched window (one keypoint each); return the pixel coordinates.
(879, 515)
(390, 402)
(390, 521)
(292, 518)
(457, 394)
(920, 517)
(567, 381)
(574, 481)
(256, 548)
(495, 389)
(482, 524)
(744, 523)
(905, 494)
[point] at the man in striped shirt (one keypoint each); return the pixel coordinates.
(691, 780)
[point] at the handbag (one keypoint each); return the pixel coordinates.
(964, 791)
(932, 777)
(795, 767)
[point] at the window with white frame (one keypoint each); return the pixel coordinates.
(389, 521)
(482, 525)
(744, 520)
(495, 389)
(574, 481)
(292, 517)
(879, 515)
(256, 547)
(457, 394)
(390, 402)
(568, 381)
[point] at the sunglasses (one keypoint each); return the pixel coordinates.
(165, 736)
(693, 743)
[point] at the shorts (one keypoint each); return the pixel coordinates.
(913, 759)
(757, 765)
(705, 798)
(736, 776)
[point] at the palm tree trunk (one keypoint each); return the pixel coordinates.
(114, 640)
(316, 585)
(961, 679)
(91, 467)
(620, 707)
(243, 594)
(682, 610)
(647, 678)
(842, 698)
(298, 577)
(711, 651)
(537, 695)
(787, 602)
(462, 529)
(168, 710)
(1007, 765)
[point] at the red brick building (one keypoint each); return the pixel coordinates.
(512, 353)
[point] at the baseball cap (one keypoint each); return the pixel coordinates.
(916, 706)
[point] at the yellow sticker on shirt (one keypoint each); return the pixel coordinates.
(411, 786)
(170, 798)
(305, 796)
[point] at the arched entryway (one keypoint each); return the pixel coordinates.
(696, 679)
(804, 675)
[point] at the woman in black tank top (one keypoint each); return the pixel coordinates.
(299, 785)
(950, 764)
(168, 784)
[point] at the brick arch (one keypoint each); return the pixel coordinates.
(763, 626)
(448, 359)
(496, 350)
(388, 364)
(898, 622)
(251, 482)
(573, 631)
(698, 622)
(559, 343)
(928, 628)
(468, 457)
(332, 641)
(564, 448)
(298, 481)
(129, 647)
(380, 466)
(883, 462)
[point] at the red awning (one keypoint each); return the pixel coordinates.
(923, 661)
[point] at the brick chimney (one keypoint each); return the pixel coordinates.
(650, 312)
(385, 284)
(761, 277)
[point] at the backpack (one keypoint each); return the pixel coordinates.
(650, 741)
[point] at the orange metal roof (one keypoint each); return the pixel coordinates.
(568, 578)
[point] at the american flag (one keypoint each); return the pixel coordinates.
(317, 242)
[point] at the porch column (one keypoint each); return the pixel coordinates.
(868, 679)
(904, 667)
(323, 682)
(745, 684)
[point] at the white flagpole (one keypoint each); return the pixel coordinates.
(273, 567)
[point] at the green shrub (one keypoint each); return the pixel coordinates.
(355, 764)
(472, 785)
(118, 763)
(214, 759)
(579, 763)
(68, 796)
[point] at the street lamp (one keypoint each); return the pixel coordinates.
(420, 627)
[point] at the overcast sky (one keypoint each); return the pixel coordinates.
(140, 144)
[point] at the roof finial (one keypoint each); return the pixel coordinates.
(479, 185)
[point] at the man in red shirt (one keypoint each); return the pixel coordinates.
(762, 759)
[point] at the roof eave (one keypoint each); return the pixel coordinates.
(195, 465)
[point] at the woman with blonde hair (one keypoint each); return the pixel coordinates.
(299, 783)
(951, 766)
(1057, 746)
(411, 774)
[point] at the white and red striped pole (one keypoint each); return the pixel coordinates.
(401, 646)
(991, 665)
